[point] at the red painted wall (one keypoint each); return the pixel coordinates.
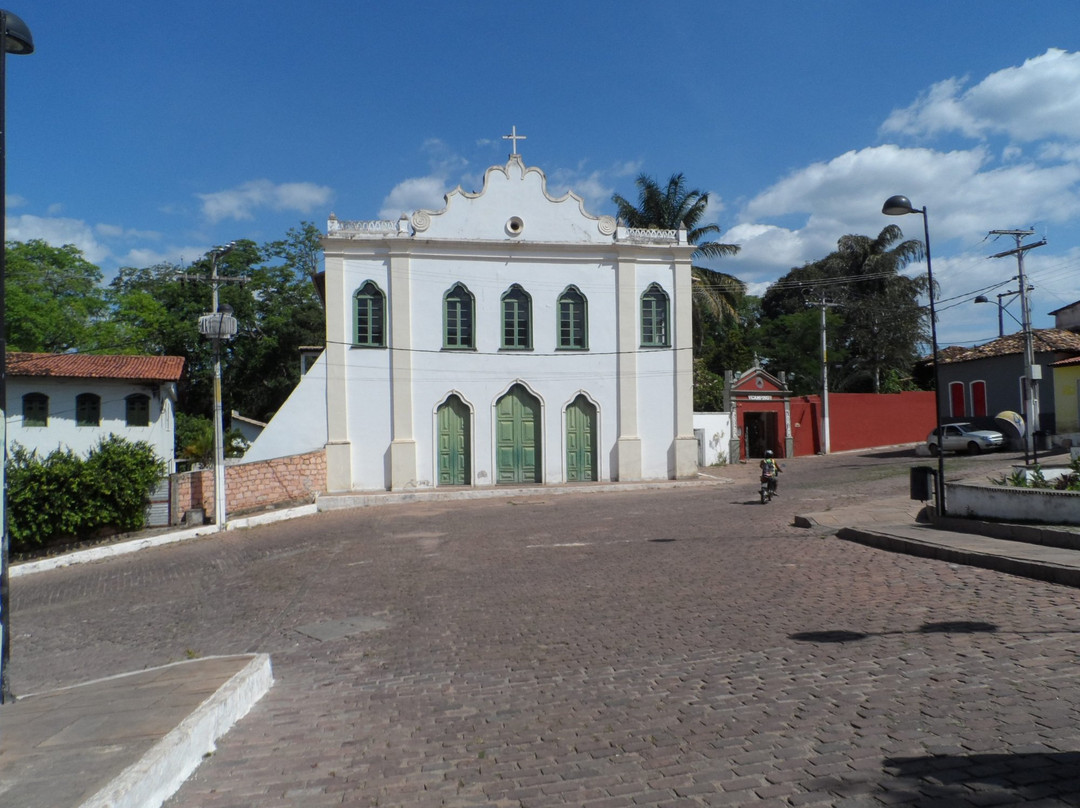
(862, 420)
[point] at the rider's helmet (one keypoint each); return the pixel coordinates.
(768, 452)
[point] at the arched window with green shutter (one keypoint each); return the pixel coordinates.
(573, 320)
(35, 409)
(370, 317)
(654, 318)
(137, 409)
(87, 409)
(459, 308)
(517, 319)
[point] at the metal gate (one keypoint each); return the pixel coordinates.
(157, 511)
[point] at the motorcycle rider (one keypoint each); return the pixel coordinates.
(770, 471)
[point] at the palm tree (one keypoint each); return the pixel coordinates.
(674, 206)
(882, 313)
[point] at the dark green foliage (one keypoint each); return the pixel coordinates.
(121, 474)
(875, 324)
(65, 497)
(195, 440)
(44, 497)
(708, 389)
(277, 310)
(54, 300)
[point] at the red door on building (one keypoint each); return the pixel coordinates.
(956, 399)
(978, 398)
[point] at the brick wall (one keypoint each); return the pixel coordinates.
(252, 486)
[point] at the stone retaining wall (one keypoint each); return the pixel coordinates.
(252, 486)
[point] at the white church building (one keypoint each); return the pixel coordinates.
(509, 338)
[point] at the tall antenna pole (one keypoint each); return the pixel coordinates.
(1032, 372)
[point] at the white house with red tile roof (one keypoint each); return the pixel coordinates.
(75, 400)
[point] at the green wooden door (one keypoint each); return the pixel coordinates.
(580, 441)
(517, 437)
(454, 466)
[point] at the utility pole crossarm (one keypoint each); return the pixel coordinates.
(210, 279)
(1018, 250)
(1032, 373)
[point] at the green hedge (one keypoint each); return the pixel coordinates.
(64, 497)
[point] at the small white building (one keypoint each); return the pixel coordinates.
(509, 338)
(73, 401)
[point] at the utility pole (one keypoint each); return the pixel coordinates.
(1032, 372)
(826, 435)
(218, 325)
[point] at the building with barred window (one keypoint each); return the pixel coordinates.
(509, 338)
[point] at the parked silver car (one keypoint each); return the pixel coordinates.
(965, 438)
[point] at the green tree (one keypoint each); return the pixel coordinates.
(732, 345)
(708, 389)
(874, 325)
(300, 250)
(54, 299)
(286, 314)
(716, 294)
(277, 310)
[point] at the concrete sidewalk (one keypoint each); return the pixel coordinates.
(128, 741)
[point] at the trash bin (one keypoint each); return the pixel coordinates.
(921, 487)
(1042, 441)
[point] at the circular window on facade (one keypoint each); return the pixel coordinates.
(514, 226)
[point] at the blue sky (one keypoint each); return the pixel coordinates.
(146, 132)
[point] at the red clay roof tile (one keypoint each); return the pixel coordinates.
(88, 366)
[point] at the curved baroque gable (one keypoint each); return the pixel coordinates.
(514, 205)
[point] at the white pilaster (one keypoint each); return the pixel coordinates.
(686, 448)
(628, 446)
(403, 442)
(338, 340)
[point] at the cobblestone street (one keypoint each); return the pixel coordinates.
(683, 647)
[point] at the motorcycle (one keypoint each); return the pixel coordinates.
(768, 487)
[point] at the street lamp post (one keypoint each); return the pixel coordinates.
(1001, 309)
(17, 39)
(218, 325)
(898, 206)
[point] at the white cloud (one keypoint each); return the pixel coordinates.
(58, 232)
(412, 194)
(800, 217)
(145, 257)
(243, 202)
(767, 251)
(1039, 99)
(118, 232)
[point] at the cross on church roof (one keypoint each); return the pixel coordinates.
(514, 137)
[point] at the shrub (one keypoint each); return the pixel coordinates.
(195, 440)
(64, 497)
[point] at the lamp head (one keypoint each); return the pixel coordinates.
(982, 299)
(17, 36)
(898, 206)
